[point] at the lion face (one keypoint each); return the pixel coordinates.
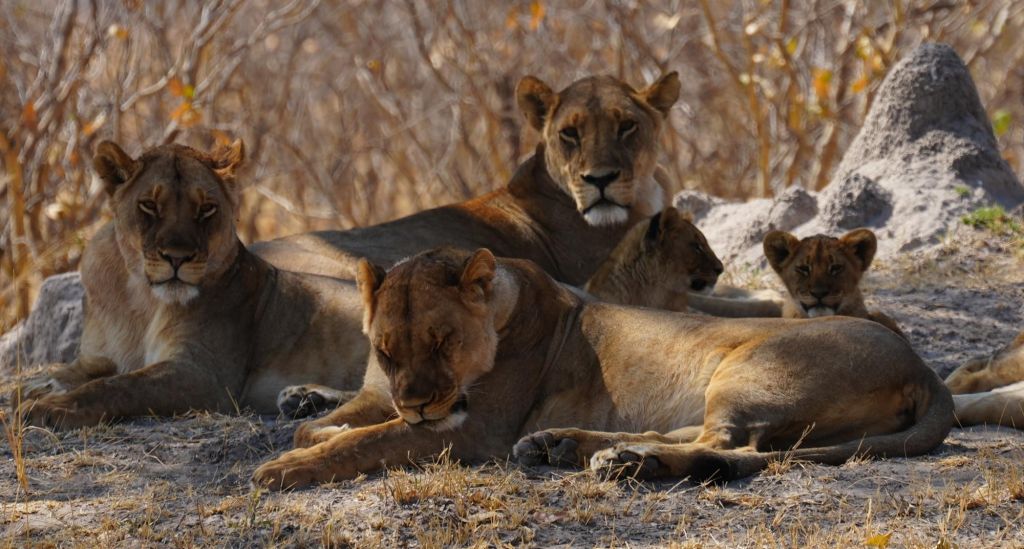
(432, 331)
(675, 245)
(173, 211)
(822, 273)
(601, 141)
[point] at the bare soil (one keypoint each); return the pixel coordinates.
(185, 481)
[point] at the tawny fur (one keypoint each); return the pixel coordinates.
(516, 353)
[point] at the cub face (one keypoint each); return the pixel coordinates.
(673, 244)
(821, 273)
(601, 141)
(174, 210)
(432, 330)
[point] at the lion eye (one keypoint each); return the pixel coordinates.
(148, 207)
(207, 210)
(626, 128)
(570, 135)
(803, 270)
(835, 269)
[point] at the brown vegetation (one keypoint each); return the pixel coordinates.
(359, 111)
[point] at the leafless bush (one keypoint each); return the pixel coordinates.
(359, 111)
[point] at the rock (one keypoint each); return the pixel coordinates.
(925, 156)
(695, 202)
(52, 331)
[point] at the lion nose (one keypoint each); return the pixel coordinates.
(819, 294)
(719, 269)
(176, 258)
(415, 403)
(601, 178)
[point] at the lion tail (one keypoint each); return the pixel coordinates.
(932, 423)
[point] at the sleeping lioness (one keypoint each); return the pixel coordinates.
(589, 180)
(477, 353)
(990, 389)
(179, 315)
(822, 274)
(655, 265)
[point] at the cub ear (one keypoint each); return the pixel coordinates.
(536, 100)
(478, 275)
(113, 165)
(778, 247)
(663, 93)
(225, 159)
(368, 279)
(664, 221)
(862, 244)
(653, 228)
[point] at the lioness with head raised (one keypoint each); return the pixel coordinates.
(590, 178)
(179, 315)
(476, 353)
(822, 274)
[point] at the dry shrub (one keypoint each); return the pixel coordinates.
(360, 111)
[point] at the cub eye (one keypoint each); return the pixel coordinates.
(803, 270)
(206, 210)
(835, 269)
(569, 135)
(148, 207)
(626, 127)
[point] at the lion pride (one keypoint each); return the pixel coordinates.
(477, 353)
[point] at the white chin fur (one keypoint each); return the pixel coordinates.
(175, 292)
(606, 214)
(453, 421)
(817, 312)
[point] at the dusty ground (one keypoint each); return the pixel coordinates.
(185, 481)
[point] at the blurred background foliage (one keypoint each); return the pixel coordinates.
(360, 111)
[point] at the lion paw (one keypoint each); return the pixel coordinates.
(626, 461)
(37, 387)
(285, 473)
(298, 401)
(57, 412)
(311, 434)
(547, 448)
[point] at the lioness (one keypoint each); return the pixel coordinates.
(655, 265)
(822, 274)
(475, 353)
(565, 208)
(179, 315)
(990, 390)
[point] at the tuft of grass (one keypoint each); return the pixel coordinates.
(963, 191)
(994, 219)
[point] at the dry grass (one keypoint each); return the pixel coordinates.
(357, 112)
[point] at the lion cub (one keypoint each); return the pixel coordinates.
(822, 274)
(657, 264)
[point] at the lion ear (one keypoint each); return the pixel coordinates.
(536, 100)
(113, 165)
(862, 244)
(225, 159)
(663, 93)
(778, 247)
(368, 279)
(478, 275)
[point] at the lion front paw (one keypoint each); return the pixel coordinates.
(36, 388)
(311, 434)
(549, 447)
(286, 473)
(637, 461)
(58, 412)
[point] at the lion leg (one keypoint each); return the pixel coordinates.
(61, 378)
(369, 407)
(298, 401)
(574, 447)
(349, 454)
(986, 373)
(1002, 406)
(164, 389)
